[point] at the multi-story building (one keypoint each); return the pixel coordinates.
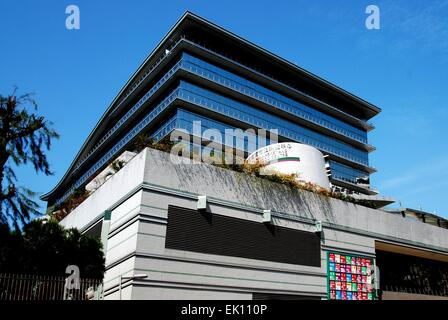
(172, 230)
(201, 72)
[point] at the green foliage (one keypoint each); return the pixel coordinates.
(254, 169)
(24, 137)
(143, 141)
(75, 199)
(46, 248)
(294, 182)
(117, 165)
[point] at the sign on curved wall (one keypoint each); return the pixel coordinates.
(305, 161)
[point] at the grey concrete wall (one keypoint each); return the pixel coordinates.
(259, 193)
(139, 195)
(114, 189)
(214, 272)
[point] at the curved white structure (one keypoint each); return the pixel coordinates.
(293, 158)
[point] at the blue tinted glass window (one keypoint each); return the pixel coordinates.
(262, 119)
(346, 173)
(268, 96)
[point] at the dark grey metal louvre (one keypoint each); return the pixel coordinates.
(212, 233)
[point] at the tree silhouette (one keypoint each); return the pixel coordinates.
(24, 138)
(47, 248)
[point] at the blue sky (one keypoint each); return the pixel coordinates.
(402, 68)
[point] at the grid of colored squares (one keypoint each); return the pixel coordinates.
(349, 277)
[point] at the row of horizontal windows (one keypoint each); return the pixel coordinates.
(262, 119)
(248, 142)
(290, 86)
(346, 169)
(185, 122)
(346, 173)
(259, 122)
(151, 68)
(130, 112)
(121, 143)
(273, 98)
(351, 178)
(165, 129)
(186, 64)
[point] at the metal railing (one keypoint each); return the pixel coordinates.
(37, 287)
